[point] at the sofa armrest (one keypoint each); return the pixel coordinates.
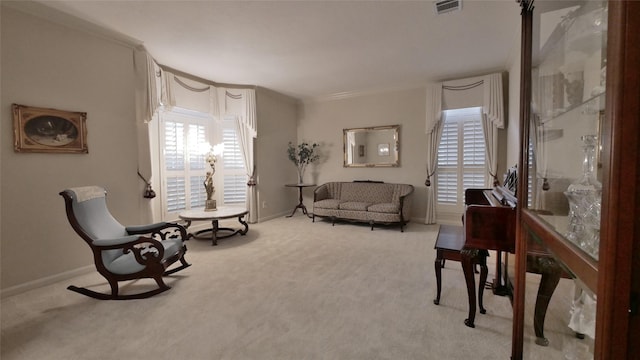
(321, 193)
(405, 203)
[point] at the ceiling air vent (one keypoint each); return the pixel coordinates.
(446, 6)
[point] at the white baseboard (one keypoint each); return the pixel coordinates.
(18, 289)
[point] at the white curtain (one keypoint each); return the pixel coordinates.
(490, 132)
(167, 96)
(246, 127)
(246, 147)
(147, 100)
(242, 104)
(492, 120)
(146, 90)
(433, 129)
(493, 102)
(214, 104)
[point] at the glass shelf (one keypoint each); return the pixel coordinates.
(567, 106)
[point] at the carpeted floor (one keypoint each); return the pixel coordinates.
(289, 289)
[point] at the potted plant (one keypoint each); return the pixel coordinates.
(302, 155)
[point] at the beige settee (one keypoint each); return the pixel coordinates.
(370, 202)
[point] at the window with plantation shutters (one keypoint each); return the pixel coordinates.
(183, 135)
(234, 173)
(461, 156)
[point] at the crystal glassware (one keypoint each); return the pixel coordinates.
(584, 197)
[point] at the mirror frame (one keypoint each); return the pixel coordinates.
(394, 146)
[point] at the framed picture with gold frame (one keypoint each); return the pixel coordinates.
(49, 130)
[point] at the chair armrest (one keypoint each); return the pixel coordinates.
(116, 242)
(146, 250)
(145, 229)
(163, 230)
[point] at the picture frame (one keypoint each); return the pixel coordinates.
(49, 130)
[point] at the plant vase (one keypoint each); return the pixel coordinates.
(301, 169)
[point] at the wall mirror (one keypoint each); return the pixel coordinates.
(376, 146)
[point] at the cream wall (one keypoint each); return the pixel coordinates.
(50, 65)
(277, 116)
(323, 121)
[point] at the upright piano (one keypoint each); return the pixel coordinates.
(490, 224)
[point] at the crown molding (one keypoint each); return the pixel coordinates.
(360, 93)
(67, 18)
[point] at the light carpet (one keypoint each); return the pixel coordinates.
(289, 289)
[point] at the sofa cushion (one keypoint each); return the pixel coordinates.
(367, 192)
(327, 204)
(385, 208)
(354, 205)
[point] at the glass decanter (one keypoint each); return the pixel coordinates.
(584, 197)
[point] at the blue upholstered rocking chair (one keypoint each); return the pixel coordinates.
(123, 253)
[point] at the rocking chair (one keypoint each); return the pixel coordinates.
(123, 253)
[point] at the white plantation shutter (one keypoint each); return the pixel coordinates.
(174, 146)
(235, 178)
(174, 164)
(461, 156)
(183, 162)
(235, 189)
(176, 196)
(197, 135)
(197, 165)
(447, 173)
(473, 150)
(198, 192)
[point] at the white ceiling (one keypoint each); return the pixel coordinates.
(313, 49)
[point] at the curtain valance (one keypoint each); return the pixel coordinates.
(434, 106)
(189, 94)
(485, 91)
(147, 77)
(240, 103)
(217, 101)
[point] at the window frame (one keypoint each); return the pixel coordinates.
(466, 175)
(214, 134)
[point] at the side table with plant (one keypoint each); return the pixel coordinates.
(302, 155)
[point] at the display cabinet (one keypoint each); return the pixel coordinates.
(578, 174)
